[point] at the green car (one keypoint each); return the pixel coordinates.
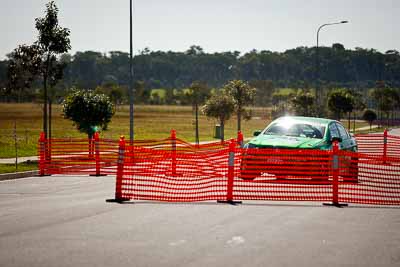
(297, 133)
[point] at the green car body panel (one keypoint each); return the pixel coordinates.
(302, 133)
(322, 142)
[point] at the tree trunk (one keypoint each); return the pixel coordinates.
(239, 118)
(222, 123)
(349, 120)
(49, 143)
(45, 75)
(197, 123)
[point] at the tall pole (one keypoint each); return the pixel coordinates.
(131, 134)
(318, 93)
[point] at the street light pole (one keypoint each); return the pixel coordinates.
(318, 94)
(131, 133)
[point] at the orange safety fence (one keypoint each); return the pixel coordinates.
(99, 156)
(77, 156)
(379, 144)
(176, 171)
(186, 173)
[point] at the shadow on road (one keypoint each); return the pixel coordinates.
(299, 205)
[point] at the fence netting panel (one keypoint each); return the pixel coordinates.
(284, 174)
(374, 144)
(78, 156)
(175, 171)
(184, 172)
(378, 179)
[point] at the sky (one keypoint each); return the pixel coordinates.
(215, 25)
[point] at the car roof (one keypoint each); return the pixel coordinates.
(306, 119)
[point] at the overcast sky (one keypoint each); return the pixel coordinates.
(215, 25)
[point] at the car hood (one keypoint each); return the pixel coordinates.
(286, 142)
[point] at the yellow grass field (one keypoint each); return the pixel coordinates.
(151, 122)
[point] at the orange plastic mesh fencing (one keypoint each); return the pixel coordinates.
(175, 171)
(180, 172)
(185, 173)
(283, 174)
(378, 179)
(379, 144)
(78, 156)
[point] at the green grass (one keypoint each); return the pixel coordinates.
(160, 92)
(25, 166)
(286, 91)
(151, 122)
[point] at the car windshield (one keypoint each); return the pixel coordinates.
(296, 130)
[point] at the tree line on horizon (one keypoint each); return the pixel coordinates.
(357, 69)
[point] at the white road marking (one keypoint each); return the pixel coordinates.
(236, 240)
(177, 243)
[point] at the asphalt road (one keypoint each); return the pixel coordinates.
(65, 221)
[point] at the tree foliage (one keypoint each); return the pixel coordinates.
(23, 67)
(369, 116)
(387, 99)
(39, 60)
(88, 110)
(340, 101)
(197, 94)
(219, 106)
(243, 94)
(303, 103)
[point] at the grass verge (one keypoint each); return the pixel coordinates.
(22, 167)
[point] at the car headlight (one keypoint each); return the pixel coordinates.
(250, 145)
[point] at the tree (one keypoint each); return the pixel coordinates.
(23, 67)
(88, 110)
(220, 106)
(52, 40)
(303, 103)
(28, 62)
(242, 94)
(142, 95)
(340, 101)
(369, 116)
(116, 95)
(387, 99)
(197, 94)
(358, 104)
(264, 90)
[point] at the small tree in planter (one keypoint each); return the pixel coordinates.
(220, 106)
(369, 116)
(89, 111)
(243, 94)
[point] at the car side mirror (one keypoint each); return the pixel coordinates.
(333, 139)
(256, 133)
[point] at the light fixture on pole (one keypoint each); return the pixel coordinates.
(318, 94)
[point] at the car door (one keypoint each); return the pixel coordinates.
(347, 141)
(334, 132)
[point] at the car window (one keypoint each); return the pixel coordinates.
(296, 130)
(334, 131)
(343, 133)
